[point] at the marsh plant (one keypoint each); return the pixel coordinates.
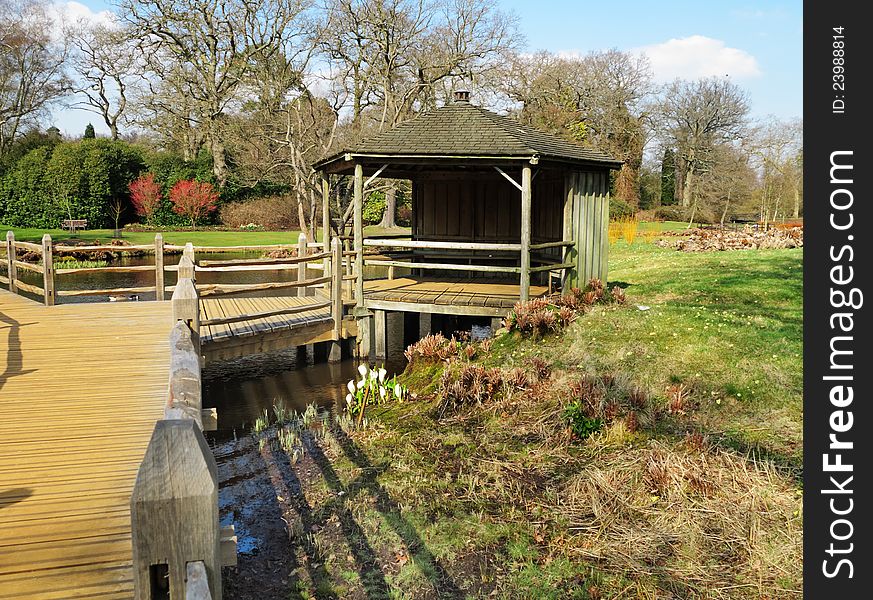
(285, 429)
(372, 389)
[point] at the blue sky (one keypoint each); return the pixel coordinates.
(757, 44)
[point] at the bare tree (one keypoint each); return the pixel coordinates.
(32, 76)
(776, 147)
(207, 49)
(696, 116)
(597, 100)
(105, 60)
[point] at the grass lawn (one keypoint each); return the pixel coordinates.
(180, 236)
(699, 497)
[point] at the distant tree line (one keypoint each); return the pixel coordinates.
(248, 95)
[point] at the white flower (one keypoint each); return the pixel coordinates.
(349, 398)
(362, 369)
(398, 390)
(373, 375)
(351, 387)
(362, 383)
(382, 374)
(383, 392)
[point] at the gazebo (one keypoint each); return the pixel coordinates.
(501, 212)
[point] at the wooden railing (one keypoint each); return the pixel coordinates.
(178, 545)
(420, 254)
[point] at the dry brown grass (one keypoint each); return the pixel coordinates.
(701, 521)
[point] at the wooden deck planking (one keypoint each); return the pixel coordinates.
(81, 387)
(449, 291)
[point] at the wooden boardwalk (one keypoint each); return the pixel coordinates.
(266, 334)
(81, 386)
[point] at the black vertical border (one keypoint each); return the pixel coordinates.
(824, 133)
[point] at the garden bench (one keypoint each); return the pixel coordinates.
(74, 224)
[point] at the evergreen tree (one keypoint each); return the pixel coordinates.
(89, 133)
(668, 178)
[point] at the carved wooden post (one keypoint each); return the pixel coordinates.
(174, 511)
(524, 284)
(10, 259)
(336, 297)
(186, 268)
(380, 331)
(48, 270)
(301, 266)
(159, 267)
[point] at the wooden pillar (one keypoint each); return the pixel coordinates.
(301, 266)
(568, 254)
(496, 323)
(336, 298)
(48, 270)
(160, 291)
(525, 233)
(359, 235)
(380, 331)
(424, 324)
(10, 259)
(325, 220)
(365, 337)
(185, 268)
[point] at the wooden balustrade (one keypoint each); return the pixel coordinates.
(178, 545)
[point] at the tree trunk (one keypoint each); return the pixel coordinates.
(388, 217)
(219, 159)
(688, 187)
(693, 210)
(113, 130)
(301, 218)
(796, 213)
(725, 211)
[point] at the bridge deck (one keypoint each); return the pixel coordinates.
(81, 386)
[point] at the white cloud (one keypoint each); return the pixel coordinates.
(699, 56)
(67, 14)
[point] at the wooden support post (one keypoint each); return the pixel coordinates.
(380, 331)
(350, 287)
(189, 251)
(359, 235)
(424, 324)
(336, 297)
(48, 270)
(10, 259)
(174, 510)
(391, 273)
(496, 323)
(365, 337)
(160, 291)
(325, 219)
(525, 233)
(568, 234)
(301, 266)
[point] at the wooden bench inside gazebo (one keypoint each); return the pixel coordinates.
(501, 212)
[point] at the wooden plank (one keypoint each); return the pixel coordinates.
(436, 245)
(28, 266)
(65, 514)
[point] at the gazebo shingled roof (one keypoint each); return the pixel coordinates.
(462, 129)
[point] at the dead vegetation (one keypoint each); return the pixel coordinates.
(708, 240)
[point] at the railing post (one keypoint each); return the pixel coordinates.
(301, 266)
(10, 259)
(48, 270)
(350, 285)
(174, 512)
(336, 296)
(325, 219)
(186, 268)
(160, 292)
(185, 301)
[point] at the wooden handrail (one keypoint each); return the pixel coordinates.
(553, 267)
(28, 246)
(382, 243)
(447, 266)
(64, 249)
(215, 289)
(559, 244)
